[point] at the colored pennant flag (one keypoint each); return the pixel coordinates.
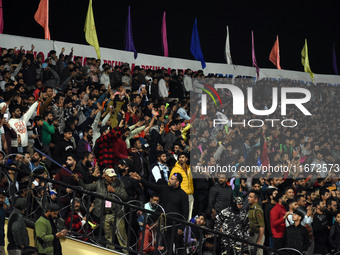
(164, 37)
(335, 66)
(253, 54)
(41, 17)
(274, 55)
(195, 46)
(1, 19)
(90, 30)
(227, 54)
(129, 44)
(305, 61)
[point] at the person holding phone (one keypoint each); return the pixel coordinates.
(47, 235)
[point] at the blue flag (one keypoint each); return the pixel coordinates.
(129, 44)
(195, 46)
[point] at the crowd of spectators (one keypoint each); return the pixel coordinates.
(139, 136)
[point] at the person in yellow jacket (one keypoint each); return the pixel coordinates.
(187, 184)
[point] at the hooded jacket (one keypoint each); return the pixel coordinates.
(187, 184)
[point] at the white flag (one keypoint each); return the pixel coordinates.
(227, 49)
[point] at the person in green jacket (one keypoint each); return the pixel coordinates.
(47, 129)
(47, 235)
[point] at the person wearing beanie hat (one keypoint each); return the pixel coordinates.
(17, 234)
(47, 235)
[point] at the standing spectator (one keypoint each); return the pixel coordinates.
(220, 195)
(292, 206)
(321, 227)
(331, 210)
(187, 82)
(47, 235)
(104, 151)
(334, 235)
(18, 123)
(47, 131)
(307, 211)
(187, 184)
(66, 177)
(278, 216)
(271, 194)
(79, 217)
(86, 168)
(256, 221)
(170, 138)
(289, 191)
(49, 77)
(296, 235)
(85, 144)
(105, 77)
(324, 194)
(174, 200)
(58, 110)
(160, 171)
(109, 186)
(163, 86)
(64, 147)
(17, 233)
(3, 209)
(127, 78)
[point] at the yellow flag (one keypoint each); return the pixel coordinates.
(305, 61)
(90, 30)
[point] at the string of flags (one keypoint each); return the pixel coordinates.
(41, 16)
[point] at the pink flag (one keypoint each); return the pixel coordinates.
(253, 54)
(1, 18)
(164, 38)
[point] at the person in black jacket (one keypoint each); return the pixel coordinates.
(334, 235)
(175, 203)
(64, 147)
(17, 233)
(220, 195)
(296, 236)
(320, 227)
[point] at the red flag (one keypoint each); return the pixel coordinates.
(41, 16)
(274, 56)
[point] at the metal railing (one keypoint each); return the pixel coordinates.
(163, 233)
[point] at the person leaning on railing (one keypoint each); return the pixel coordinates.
(112, 187)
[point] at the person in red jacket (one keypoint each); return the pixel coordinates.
(78, 219)
(104, 149)
(150, 236)
(278, 216)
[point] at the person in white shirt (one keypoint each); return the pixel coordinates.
(160, 171)
(163, 86)
(187, 81)
(105, 78)
(18, 122)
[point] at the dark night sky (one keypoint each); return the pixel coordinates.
(291, 20)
